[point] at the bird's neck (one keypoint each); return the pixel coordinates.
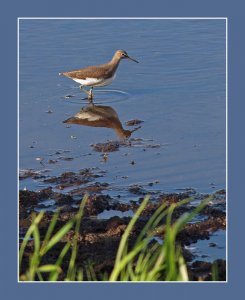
(115, 61)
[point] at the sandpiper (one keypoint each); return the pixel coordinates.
(100, 75)
(100, 116)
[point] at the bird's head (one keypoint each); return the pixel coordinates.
(121, 54)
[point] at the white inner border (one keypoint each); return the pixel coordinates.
(122, 18)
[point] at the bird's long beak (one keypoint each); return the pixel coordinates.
(132, 59)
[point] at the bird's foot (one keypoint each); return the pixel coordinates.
(89, 93)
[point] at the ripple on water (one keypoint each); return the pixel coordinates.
(100, 97)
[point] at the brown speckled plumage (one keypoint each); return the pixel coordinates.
(101, 71)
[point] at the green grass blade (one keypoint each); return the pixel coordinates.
(78, 217)
(215, 271)
(54, 275)
(105, 277)
(139, 262)
(92, 272)
(155, 274)
(80, 275)
(57, 237)
(87, 270)
(160, 229)
(169, 245)
(152, 220)
(28, 234)
(130, 226)
(126, 259)
(130, 272)
(144, 267)
(35, 259)
(183, 274)
(50, 229)
(36, 237)
(49, 268)
(39, 275)
(154, 263)
(187, 217)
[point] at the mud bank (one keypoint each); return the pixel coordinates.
(99, 236)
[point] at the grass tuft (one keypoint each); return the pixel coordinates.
(145, 260)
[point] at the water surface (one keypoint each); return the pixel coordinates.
(178, 89)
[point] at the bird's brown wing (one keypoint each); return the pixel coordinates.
(90, 72)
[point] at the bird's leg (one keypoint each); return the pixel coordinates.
(90, 95)
(82, 89)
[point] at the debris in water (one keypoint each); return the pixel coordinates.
(69, 96)
(105, 157)
(40, 159)
(110, 146)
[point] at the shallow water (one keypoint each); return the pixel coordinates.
(210, 250)
(178, 89)
(107, 214)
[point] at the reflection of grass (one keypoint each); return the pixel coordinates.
(145, 261)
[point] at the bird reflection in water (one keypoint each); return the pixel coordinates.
(100, 116)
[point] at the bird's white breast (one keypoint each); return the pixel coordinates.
(95, 81)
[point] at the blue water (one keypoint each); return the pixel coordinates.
(178, 89)
(203, 249)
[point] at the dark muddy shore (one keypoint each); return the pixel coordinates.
(99, 236)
